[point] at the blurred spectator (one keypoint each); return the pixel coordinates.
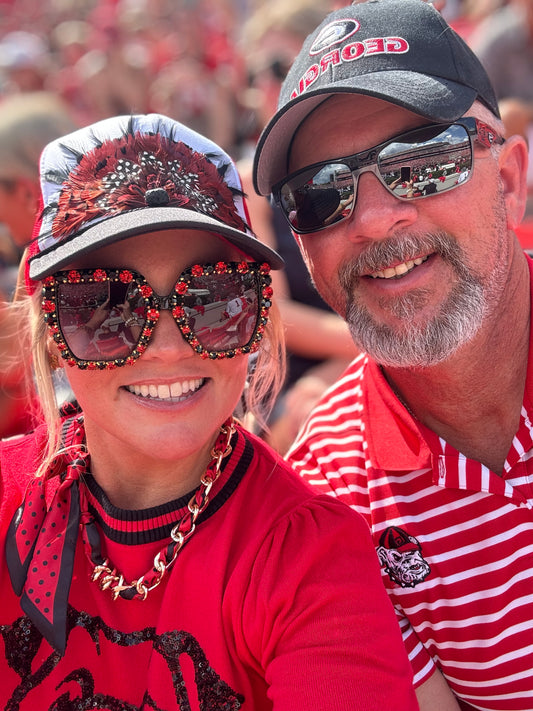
(319, 346)
(504, 43)
(28, 121)
(465, 15)
(24, 62)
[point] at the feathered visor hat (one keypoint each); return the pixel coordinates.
(132, 174)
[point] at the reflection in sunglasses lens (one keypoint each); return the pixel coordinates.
(93, 316)
(222, 310)
(425, 165)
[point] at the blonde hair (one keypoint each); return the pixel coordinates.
(267, 373)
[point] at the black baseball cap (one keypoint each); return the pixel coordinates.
(401, 51)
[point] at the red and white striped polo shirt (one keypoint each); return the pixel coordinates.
(455, 540)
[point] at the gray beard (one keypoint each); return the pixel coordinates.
(410, 345)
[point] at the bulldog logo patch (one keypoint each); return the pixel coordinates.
(401, 556)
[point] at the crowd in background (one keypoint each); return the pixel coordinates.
(216, 66)
(202, 62)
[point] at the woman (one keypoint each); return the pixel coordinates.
(158, 556)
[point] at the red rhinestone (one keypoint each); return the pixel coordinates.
(146, 291)
(99, 275)
(49, 307)
(182, 287)
(125, 276)
(197, 270)
(221, 267)
(74, 276)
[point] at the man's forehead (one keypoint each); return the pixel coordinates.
(347, 120)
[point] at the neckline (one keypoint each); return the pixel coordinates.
(134, 527)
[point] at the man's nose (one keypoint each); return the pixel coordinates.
(377, 214)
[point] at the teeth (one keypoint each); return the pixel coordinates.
(176, 390)
(399, 269)
(166, 392)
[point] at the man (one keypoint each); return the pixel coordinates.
(429, 436)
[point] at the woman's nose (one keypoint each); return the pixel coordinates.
(167, 340)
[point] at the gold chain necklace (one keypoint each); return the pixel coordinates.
(107, 576)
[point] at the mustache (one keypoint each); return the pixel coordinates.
(379, 255)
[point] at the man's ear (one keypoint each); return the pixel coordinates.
(513, 160)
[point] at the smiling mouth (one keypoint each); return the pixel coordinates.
(173, 392)
(399, 270)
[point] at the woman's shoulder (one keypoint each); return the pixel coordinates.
(285, 495)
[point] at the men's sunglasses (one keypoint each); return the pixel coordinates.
(426, 161)
(105, 318)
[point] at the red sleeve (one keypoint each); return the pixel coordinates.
(332, 639)
(422, 664)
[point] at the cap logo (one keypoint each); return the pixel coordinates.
(334, 33)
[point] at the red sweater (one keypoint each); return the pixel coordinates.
(275, 602)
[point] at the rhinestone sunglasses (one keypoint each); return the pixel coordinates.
(105, 318)
(423, 162)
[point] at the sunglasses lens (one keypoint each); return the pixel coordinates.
(315, 199)
(223, 309)
(427, 161)
(92, 317)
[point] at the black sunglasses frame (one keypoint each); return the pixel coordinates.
(367, 161)
(154, 304)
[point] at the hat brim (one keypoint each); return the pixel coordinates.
(432, 97)
(148, 219)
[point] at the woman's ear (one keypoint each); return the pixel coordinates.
(54, 358)
(513, 160)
